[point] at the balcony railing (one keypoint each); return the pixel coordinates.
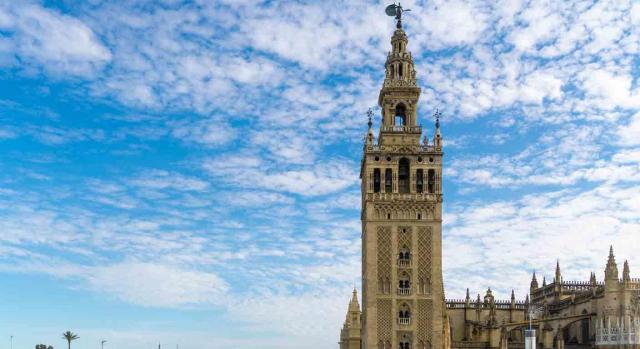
(406, 321)
(400, 128)
(404, 263)
(404, 291)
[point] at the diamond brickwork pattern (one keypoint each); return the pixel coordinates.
(424, 256)
(384, 320)
(384, 255)
(404, 238)
(424, 326)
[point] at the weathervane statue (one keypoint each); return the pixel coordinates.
(396, 10)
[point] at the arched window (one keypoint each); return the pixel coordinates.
(401, 115)
(403, 175)
(376, 180)
(400, 70)
(404, 257)
(391, 71)
(404, 315)
(405, 345)
(404, 284)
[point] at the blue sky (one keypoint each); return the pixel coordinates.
(187, 173)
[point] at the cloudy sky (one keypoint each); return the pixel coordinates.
(187, 172)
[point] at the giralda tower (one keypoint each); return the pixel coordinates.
(403, 293)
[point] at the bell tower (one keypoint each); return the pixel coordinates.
(402, 286)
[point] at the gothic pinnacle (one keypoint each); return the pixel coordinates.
(626, 274)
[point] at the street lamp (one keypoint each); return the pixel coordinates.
(102, 343)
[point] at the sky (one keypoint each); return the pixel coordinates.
(186, 173)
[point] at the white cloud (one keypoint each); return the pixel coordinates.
(500, 243)
(256, 199)
(630, 133)
(7, 134)
(159, 179)
(60, 43)
(251, 172)
(152, 284)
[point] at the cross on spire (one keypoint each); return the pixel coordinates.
(370, 115)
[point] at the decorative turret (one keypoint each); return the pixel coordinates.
(513, 299)
(544, 281)
(534, 282)
(557, 281)
(611, 272)
(399, 65)
(354, 306)
(592, 279)
(467, 300)
(626, 274)
(350, 336)
(558, 278)
(488, 297)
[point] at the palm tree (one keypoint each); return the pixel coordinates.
(70, 336)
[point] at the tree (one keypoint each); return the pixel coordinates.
(70, 337)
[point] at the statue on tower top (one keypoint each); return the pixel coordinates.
(396, 10)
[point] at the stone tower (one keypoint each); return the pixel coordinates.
(403, 294)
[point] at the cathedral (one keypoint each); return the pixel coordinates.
(403, 298)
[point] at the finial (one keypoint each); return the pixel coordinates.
(437, 115)
(370, 115)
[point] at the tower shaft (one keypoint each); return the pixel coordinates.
(403, 293)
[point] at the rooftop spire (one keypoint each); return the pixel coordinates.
(611, 272)
(353, 304)
(534, 281)
(558, 273)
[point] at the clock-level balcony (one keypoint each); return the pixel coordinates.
(401, 129)
(403, 197)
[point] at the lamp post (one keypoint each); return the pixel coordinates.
(11, 341)
(102, 343)
(530, 334)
